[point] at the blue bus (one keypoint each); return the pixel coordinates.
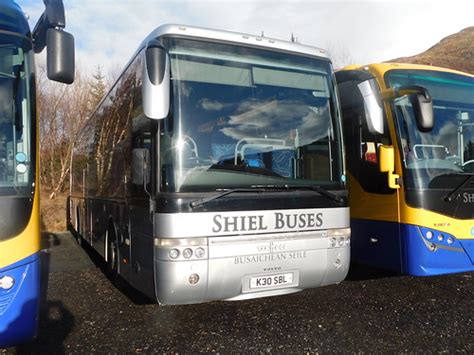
(19, 157)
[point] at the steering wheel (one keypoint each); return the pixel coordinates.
(471, 165)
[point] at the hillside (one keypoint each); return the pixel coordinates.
(455, 52)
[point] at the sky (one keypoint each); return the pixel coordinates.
(107, 32)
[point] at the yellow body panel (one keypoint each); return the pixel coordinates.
(28, 241)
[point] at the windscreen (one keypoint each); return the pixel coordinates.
(245, 116)
(447, 149)
(16, 125)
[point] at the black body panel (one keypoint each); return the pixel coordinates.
(461, 207)
(15, 213)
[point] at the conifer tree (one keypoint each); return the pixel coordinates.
(98, 88)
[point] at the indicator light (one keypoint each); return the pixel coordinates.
(199, 252)
(450, 240)
(440, 237)
(332, 242)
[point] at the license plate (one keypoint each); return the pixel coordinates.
(271, 280)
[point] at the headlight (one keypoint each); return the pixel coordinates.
(7, 282)
(174, 253)
(187, 253)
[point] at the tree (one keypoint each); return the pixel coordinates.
(98, 88)
(63, 111)
(340, 57)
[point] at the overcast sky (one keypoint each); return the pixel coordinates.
(107, 32)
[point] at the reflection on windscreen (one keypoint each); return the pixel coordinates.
(449, 147)
(246, 117)
(14, 122)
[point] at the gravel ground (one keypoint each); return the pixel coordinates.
(372, 311)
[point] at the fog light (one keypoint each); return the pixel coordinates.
(187, 253)
(199, 252)
(341, 241)
(450, 240)
(432, 247)
(440, 237)
(429, 235)
(332, 242)
(7, 282)
(194, 279)
(173, 253)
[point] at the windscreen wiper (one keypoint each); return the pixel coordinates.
(320, 190)
(450, 197)
(203, 201)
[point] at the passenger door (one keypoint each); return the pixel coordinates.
(374, 206)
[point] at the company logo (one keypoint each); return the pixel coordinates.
(272, 247)
(280, 221)
(467, 197)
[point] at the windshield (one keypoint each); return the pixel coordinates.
(449, 148)
(244, 116)
(16, 126)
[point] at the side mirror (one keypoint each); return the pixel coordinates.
(423, 108)
(421, 102)
(156, 82)
(60, 56)
(372, 105)
(140, 166)
(387, 165)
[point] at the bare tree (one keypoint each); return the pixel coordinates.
(340, 56)
(63, 110)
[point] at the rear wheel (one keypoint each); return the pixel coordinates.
(112, 252)
(77, 232)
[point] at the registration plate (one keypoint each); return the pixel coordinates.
(271, 280)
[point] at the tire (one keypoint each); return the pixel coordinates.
(112, 252)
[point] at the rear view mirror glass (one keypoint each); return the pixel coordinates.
(423, 108)
(372, 105)
(60, 56)
(156, 82)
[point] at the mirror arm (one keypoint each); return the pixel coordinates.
(52, 17)
(387, 165)
(393, 93)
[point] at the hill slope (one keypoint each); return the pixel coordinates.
(455, 52)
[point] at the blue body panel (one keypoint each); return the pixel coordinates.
(19, 305)
(406, 248)
(376, 243)
(12, 18)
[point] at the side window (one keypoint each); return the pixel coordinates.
(141, 139)
(361, 144)
(118, 136)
